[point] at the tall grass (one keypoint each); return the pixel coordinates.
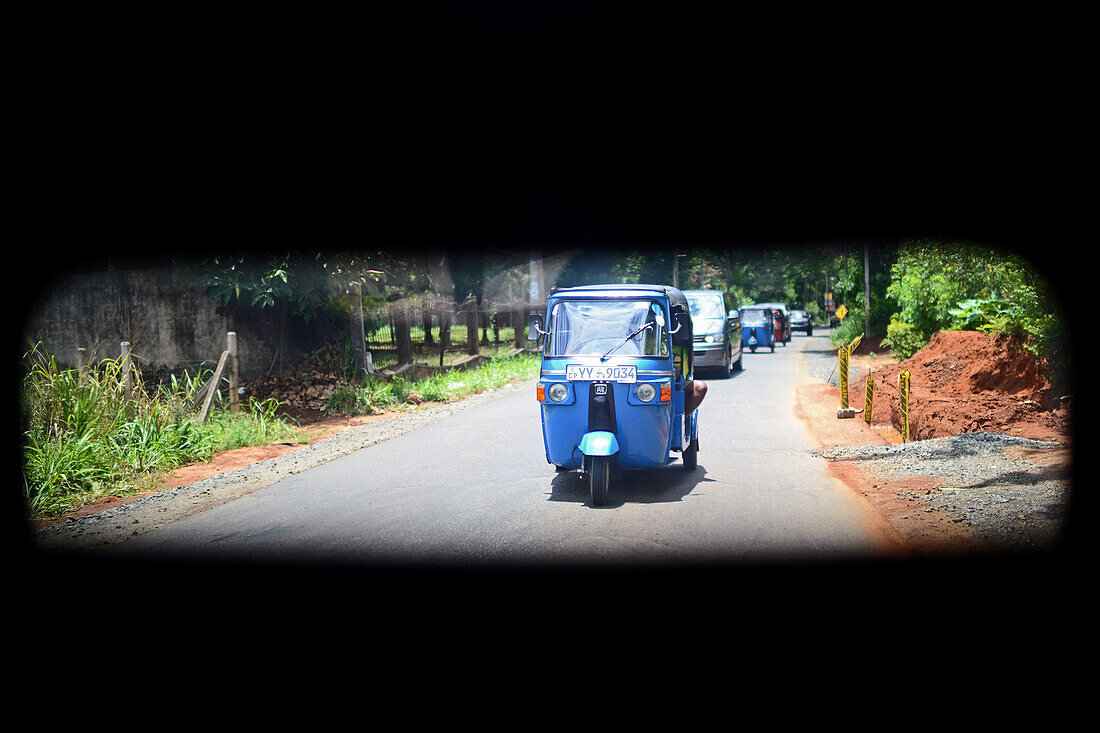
(86, 436)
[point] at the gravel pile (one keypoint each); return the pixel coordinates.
(1010, 501)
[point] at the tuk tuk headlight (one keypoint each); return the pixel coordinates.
(557, 392)
(645, 392)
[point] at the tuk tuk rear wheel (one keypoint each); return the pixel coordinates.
(599, 479)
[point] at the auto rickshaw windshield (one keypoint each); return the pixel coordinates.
(755, 317)
(595, 327)
(706, 306)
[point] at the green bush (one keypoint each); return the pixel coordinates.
(951, 286)
(904, 339)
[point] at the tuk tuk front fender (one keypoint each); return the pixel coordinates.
(599, 443)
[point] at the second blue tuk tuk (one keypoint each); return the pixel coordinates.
(757, 328)
(616, 362)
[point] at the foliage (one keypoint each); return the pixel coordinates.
(989, 314)
(300, 282)
(255, 424)
(86, 437)
(949, 286)
(903, 339)
(930, 279)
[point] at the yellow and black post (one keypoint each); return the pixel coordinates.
(869, 397)
(843, 354)
(903, 387)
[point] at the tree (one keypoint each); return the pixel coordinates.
(290, 285)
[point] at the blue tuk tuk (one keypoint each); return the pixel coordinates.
(616, 362)
(757, 328)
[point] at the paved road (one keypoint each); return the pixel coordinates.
(474, 489)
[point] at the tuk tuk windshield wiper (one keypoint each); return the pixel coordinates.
(633, 333)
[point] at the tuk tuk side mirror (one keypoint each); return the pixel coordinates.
(680, 319)
(534, 327)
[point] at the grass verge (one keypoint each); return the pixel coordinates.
(372, 396)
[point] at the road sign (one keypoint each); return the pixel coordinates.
(841, 312)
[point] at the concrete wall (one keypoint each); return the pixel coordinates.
(170, 323)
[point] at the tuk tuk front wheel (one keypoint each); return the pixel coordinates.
(599, 479)
(691, 455)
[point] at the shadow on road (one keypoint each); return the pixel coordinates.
(717, 375)
(643, 486)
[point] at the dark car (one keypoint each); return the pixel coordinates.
(716, 323)
(801, 321)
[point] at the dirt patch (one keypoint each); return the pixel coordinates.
(964, 382)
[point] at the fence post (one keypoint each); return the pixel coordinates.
(234, 375)
(212, 388)
(472, 347)
(127, 380)
(80, 352)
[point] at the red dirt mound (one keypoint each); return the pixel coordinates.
(964, 382)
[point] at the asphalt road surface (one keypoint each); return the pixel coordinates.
(474, 490)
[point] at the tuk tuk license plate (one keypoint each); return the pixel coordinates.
(584, 373)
